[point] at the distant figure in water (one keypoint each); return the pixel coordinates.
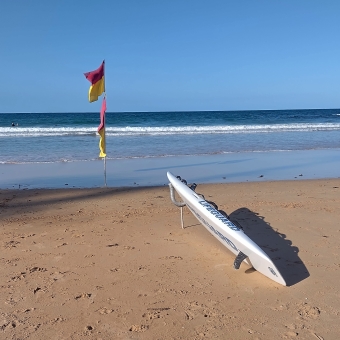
(13, 124)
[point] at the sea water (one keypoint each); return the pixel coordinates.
(67, 136)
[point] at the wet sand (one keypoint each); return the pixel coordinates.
(224, 168)
(106, 263)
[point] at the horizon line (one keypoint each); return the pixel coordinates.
(175, 111)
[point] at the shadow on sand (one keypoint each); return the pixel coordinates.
(274, 244)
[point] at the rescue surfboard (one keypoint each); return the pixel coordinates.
(219, 225)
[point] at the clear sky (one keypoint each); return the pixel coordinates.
(165, 55)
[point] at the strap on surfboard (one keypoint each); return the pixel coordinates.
(238, 260)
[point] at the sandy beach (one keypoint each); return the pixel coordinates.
(106, 263)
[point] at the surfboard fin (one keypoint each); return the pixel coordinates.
(239, 258)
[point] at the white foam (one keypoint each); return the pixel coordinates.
(166, 130)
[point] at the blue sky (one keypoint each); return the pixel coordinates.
(166, 55)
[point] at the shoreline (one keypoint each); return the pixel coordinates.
(226, 168)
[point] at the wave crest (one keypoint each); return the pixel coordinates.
(166, 130)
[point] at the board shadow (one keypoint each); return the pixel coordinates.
(276, 245)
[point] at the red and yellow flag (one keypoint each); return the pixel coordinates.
(96, 78)
(101, 130)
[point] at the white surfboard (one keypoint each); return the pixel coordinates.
(225, 231)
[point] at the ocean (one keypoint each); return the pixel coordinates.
(67, 137)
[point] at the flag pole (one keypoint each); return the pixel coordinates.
(104, 127)
(105, 171)
(105, 144)
(97, 88)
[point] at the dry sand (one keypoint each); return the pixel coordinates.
(115, 264)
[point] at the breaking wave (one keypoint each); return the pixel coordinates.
(166, 130)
